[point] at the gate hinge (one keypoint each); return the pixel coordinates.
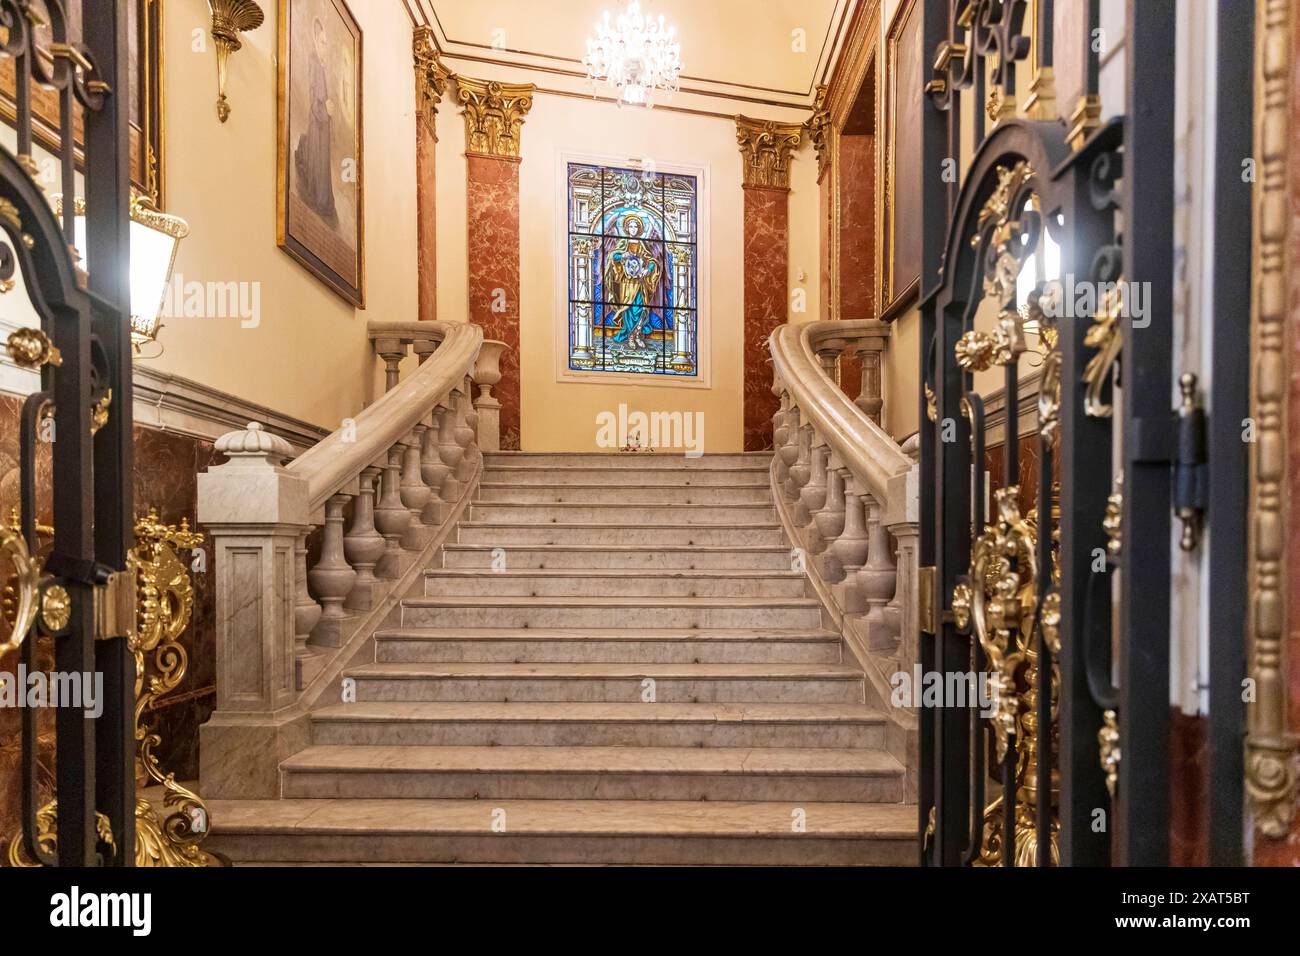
(925, 599)
(1190, 465)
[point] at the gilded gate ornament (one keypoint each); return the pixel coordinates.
(996, 601)
(164, 605)
(1103, 336)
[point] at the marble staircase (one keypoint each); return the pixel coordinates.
(611, 662)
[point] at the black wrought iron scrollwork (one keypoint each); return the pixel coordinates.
(979, 30)
(82, 352)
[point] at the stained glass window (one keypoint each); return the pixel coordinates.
(632, 271)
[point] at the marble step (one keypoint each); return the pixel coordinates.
(575, 773)
(629, 512)
(507, 535)
(645, 557)
(612, 583)
(610, 682)
(563, 832)
(687, 612)
(621, 493)
(489, 724)
(633, 461)
(706, 476)
(606, 645)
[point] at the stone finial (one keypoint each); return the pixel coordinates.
(431, 75)
(254, 442)
(494, 114)
(819, 128)
(766, 146)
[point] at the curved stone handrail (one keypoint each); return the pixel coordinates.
(340, 457)
(846, 494)
(865, 448)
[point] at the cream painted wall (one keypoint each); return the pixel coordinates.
(308, 357)
(561, 416)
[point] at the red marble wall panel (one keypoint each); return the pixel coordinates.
(857, 265)
(767, 256)
(426, 143)
(493, 214)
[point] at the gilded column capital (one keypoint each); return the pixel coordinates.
(431, 75)
(819, 128)
(494, 114)
(765, 146)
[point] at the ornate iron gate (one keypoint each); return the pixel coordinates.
(79, 596)
(1062, 602)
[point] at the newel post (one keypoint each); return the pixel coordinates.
(902, 519)
(256, 512)
(487, 372)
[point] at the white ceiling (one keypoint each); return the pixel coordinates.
(741, 50)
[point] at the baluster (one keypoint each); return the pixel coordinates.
(332, 578)
(780, 435)
(449, 450)
(432, 470)
(363, 545)
(870, 399)
(850, 548)
(306, 612)
(877, 578)
(813, 496)
(789, 451)
(392, 518)
(829, 521)
(415, 494)
(392, 351)
(464, 433)
(423, 348)
(800, 472)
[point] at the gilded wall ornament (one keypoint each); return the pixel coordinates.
(766, 147)
(494, 114)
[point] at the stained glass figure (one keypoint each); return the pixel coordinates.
(632, 271)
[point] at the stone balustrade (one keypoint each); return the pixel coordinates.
(868, 339)
(848, 497)
(371, 501)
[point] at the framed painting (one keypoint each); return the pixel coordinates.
(145, 97)
(900, 245)
(319, 161)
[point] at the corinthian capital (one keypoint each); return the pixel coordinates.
(494, 114)
(430, 74)
(765, 146)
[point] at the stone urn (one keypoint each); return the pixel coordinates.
(487, 370)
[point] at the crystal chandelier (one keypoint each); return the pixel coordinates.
(635, 55)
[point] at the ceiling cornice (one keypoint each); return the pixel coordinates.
(421, 13)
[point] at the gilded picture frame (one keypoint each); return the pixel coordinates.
(899, 264)
(320, 156)
(145, 118)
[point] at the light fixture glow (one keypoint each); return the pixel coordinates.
(155, 237)
(636, 56)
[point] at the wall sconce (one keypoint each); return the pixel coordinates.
(155, 238)
(229, 19)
